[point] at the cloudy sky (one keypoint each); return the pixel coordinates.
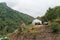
(32, 7)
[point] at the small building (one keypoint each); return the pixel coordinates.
(36, 22)
(45, 23)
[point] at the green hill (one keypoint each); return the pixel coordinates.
(51, 14)
(10, 19)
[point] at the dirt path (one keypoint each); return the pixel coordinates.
(43, 34)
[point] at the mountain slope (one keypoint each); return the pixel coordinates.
(10, 19)
(41, 32)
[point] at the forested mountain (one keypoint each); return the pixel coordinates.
(10, 19)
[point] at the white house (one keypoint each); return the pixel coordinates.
(36, 22)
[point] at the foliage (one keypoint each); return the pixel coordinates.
(10, 19)
(43, 18)
(54, 26)
(5, 39)
(51, 14)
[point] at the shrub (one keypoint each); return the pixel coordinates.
(5, 38)
(54, 27)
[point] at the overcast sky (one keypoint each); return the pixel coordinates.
(32, 7)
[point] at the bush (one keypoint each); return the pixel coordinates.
(54, 27)
(5, 38)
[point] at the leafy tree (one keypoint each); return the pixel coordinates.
(54, 26)
(51, 14)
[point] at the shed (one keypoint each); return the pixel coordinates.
(36, 22)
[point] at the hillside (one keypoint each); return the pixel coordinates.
(41, 32)
(51, 14)
(10, 19)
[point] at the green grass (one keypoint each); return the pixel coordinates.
(31, 29)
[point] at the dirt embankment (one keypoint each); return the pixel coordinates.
(44, 34)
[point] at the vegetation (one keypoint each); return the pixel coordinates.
(10, 19)
(51, 14)
(5, 39)
(54, 27)
(31, 29)
(53, 17)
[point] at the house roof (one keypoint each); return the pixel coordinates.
(37, 20)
